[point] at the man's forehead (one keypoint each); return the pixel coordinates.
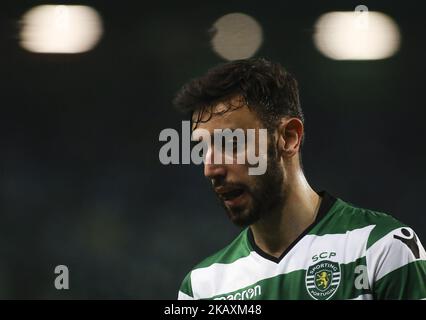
(222, 116)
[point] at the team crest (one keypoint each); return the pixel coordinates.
(323, 279)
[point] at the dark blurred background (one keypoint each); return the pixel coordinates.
(81, 184)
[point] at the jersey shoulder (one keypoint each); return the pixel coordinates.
(237, 249)
(344, 217)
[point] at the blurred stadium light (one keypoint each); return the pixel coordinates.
(236, 36)
(60, 29)
(356, 36)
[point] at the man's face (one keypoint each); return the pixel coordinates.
(246, 198)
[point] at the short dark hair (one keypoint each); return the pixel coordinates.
(265, 86)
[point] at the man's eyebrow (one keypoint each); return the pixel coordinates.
(222, 129)
(212, 134)
(238, 128)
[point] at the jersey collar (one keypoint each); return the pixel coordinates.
(326, 203)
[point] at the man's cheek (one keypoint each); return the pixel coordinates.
(257, 151)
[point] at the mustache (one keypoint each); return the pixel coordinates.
(228, 185)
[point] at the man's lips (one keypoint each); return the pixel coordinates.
(229, 193)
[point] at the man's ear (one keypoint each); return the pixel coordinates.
(290, 133)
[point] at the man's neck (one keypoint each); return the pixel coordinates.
(276, 232)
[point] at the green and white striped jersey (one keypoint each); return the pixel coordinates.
(347, 253)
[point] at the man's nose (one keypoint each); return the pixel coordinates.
(213, 169)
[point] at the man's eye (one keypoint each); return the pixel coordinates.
(236, 142)
(235, 145)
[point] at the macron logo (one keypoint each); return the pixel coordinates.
(247, 294)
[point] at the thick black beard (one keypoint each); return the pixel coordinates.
(267, 195)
